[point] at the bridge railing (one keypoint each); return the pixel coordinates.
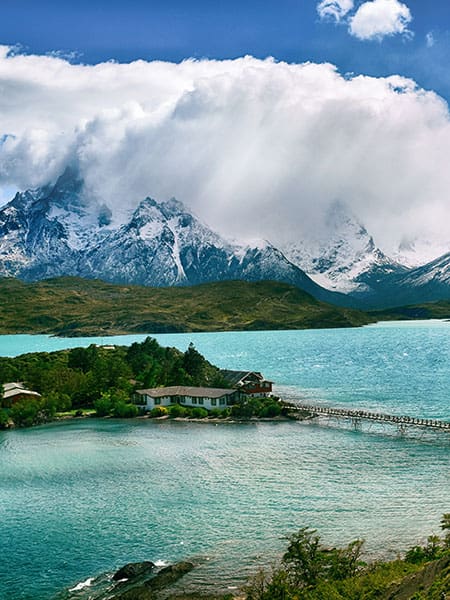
(372, 416)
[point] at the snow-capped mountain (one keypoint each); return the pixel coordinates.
(426, 283)
(42, 231)
(418, 252)
(343, 257)
(58, 230)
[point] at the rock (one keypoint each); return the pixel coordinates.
(169, 575)
(133, 570)
(139, 587)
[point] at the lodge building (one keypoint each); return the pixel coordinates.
(242, 384)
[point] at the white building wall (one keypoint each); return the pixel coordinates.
(208, 403)
(151, 402)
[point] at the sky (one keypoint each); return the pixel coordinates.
(182, 98)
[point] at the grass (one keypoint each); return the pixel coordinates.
(71, 306)
(429, 310)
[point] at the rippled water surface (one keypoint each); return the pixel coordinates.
(81, 498)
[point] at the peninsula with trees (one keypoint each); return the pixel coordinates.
(126, 381)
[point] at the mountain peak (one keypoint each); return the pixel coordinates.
(70, 182)
(173, 206)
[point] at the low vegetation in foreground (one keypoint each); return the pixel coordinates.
(310, 571)
(71, 306)
(307, 571)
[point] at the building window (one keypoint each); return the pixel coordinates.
(200, 400)
(222, 401)
(194, 400)
(213, 402)
(157, 400)
(173, 401)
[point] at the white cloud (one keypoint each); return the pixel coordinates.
(334, 9)
(380, 18)
(430, 39)
(255, 148)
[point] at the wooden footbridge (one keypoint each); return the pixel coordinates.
(359, 416)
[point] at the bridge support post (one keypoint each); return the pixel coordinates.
(356, 422)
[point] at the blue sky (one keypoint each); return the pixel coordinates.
(290, 30)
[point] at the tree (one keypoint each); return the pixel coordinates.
(82, 358)
(4, 418)
(303, 557)
(25, 413)
(103, 405)
(193, 363)
(445, 526)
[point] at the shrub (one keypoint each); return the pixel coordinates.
(199, 413)
(4, 419)
(158, 411)
(177, 411)
(123, 410)
(25, 413)
(103, 405)
(270, 411)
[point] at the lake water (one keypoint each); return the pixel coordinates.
(78, 499)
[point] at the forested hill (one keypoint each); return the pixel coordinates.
(72, 306)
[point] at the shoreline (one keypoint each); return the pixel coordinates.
(101, 333)
(165, 418)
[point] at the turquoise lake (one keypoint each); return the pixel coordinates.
(79, 499)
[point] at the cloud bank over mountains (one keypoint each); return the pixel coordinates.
(256, 148)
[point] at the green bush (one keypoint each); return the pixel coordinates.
(176, 410)
(270, 411)
(199, 413)
(124, 410)
(4, 419)
(26, 413)
(158, 411)
(103, 405)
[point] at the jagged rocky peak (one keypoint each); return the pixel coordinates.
(173, 207)
(67, 193)
(340, 255)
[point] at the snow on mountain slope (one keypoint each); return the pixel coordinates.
(42, 231)
(58, 230)
(436, 273)
(343, 257)
(416, 253)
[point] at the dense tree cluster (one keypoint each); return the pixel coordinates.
(99, 377)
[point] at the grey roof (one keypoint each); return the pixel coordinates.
(236, 377)
(181, 390)
(13, 385)
(16, 389)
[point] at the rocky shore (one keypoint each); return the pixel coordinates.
(145, 581)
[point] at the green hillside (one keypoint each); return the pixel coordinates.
(429, 310)
(73, 307)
